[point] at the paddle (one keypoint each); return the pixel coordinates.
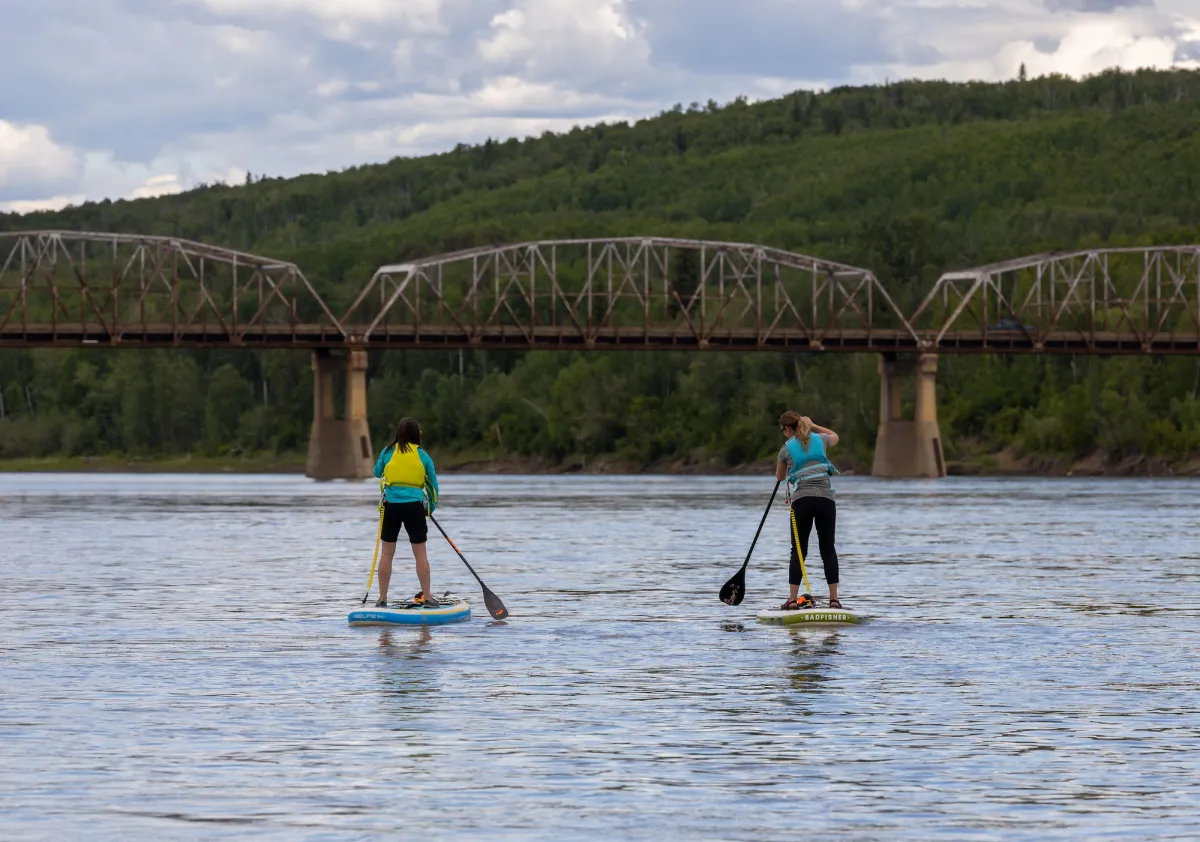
(735, 589)
(494, 606)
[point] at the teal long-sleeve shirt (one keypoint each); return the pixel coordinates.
(406, 494)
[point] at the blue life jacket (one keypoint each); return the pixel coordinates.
(807, 463)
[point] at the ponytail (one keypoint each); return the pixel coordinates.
(795, 423)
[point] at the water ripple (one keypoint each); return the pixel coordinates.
(175, 663)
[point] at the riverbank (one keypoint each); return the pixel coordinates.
(447, 463)
(1012, 462)
(186, 464)
(1009, 462)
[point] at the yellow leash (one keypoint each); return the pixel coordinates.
(799, 554)
(375, 554)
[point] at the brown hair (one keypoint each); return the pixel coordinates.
(792, 421)
(408, 433)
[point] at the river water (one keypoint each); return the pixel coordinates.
(175, 663)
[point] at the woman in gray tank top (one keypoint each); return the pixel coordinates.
(803, 463)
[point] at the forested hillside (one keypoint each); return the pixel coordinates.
(909, 179)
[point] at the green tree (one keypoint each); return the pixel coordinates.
(228, 398)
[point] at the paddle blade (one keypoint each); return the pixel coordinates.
(733, 591)
(494, 606)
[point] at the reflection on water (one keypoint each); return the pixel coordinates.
(175, 662)
(813, 654)
(410, 644)
(400, 668)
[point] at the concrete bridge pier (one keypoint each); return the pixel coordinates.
(908, 448)
(339, 448)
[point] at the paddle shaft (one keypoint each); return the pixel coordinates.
(454, 547)
(750, 552)
(494, 604)
(733, 590)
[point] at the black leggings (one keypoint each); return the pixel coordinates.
(823, 511)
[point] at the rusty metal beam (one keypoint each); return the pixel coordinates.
(66, 288)
(62, 288)
(1095, 301)
(628, 291)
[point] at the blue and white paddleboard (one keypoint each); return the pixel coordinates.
(453, 609)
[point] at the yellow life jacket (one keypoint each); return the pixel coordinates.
(405, 468)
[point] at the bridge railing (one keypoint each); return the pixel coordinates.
(648, 292)
(1127, 300)
(65, 287)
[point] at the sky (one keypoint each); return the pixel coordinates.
(132, 98)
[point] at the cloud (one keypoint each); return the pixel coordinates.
(158, 185)
(1094, 5)
(587, 41)
(353, 21)
(1092, 46)
(1188, 54)
(797, 39)
(29, 158)
(50, 203)
(157, 97)
(989, 41)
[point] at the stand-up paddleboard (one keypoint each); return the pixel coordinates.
(810, 617)
(453, 609)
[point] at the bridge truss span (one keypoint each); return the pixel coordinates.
(646, 292)
(1097, 301)
(62, 288)
(70, 288)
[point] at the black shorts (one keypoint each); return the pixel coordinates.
(412, 515)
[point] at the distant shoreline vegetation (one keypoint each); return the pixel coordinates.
(983, 465)
(909, 179)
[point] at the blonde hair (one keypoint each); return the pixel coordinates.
(793, 421)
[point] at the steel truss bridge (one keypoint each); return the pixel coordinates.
(66, 289)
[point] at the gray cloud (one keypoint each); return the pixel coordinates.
(810, 39)
(1095, 5)
(107, 77)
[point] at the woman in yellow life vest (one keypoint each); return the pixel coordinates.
(410, 490)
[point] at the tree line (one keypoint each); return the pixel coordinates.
(909, 179)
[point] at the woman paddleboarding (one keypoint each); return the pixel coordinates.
(806, 467)
(410, 491)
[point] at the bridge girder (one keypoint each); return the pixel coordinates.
(648, 292)
(72, 287)
(1138, 300)
(68, 288)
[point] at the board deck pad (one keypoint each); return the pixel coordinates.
(810, 617)
(453, 609)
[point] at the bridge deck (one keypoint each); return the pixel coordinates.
(513, 337)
